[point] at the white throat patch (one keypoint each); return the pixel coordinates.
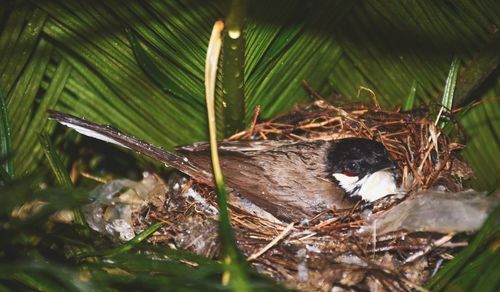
(348, 183)
(371, 187)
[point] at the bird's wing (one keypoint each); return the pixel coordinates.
(289, 180)
(238, 146)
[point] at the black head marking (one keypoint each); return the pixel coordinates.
(357, 157)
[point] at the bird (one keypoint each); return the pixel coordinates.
(292, 180)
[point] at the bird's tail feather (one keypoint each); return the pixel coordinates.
(111, 135)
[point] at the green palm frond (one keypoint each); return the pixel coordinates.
(483, 128)
(82, 53)
(139, 65)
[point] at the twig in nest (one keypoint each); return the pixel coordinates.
(187, 186)
(320, 124)
(426, 155)
(308, 236)
(436, 173)
(296, 137)
(374, 96)
(311, 90)
(93, 177)
(436, 243)
(254, 120)
(283, 233)
(164, 220)
(325, 223)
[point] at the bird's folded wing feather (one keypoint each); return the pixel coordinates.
(238, 146)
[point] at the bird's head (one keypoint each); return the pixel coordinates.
(362, 168)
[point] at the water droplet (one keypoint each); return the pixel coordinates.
(234, 33)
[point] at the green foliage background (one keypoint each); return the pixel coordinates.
(79, 57)
(75, 56)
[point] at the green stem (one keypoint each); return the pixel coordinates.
(236, 268)
(233, 61)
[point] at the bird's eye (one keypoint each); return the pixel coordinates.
(351, 169)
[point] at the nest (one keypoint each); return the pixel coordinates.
(326, 251)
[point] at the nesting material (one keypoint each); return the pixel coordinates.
(434, 211)
(328, 251)
(116, 201)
